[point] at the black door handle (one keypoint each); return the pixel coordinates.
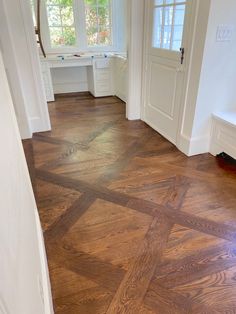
(182, 50)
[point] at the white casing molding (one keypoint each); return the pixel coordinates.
(13, 75)
(41, 122)
(186, 142)
(135, 58)
(20, 43)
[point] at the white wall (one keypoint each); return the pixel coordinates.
(212, 78)
(22, 257)
(218, 76)
(19, 46)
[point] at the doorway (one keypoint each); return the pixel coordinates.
(167, 24)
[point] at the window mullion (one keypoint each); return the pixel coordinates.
(172, 27)
(163, 27)
(81, 25)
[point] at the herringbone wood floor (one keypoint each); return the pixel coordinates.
(131, 224)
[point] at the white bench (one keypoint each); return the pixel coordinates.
(223, 137)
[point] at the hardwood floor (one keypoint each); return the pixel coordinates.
(131, 225)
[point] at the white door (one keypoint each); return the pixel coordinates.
(166, 45)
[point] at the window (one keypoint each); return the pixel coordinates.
(81, 25)
(98, 22)
(61, 22)
(168, 24)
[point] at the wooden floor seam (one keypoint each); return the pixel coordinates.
(131, 225)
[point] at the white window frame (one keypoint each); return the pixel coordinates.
(174, 5)
(80, 29)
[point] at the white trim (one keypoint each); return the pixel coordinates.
(194, 58)
(13, 75)
(46, 285)
(135, 58)
(194, 146)
(43, 120)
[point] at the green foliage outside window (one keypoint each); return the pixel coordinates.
(61, 22)
(62, 27)
(98, 22)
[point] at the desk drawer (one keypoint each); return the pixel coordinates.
(102, 64)
(102, 75)
(103, 86)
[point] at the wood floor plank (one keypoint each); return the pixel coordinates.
(59, 228)
(104, 274)
(130, 293)
(131, 224)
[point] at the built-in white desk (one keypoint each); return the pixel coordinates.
(100, 70)
(223, 137)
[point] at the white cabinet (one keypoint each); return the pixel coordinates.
(100, 77)
(47, 79)
(100, 73)
(120, 73)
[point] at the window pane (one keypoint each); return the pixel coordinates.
(158, 2)
(166, 37)
(61, 22)
(67, 18)
(60, 2)
(56, 36)
(54, 16)
(168, 24)
(98, 22)
(69, 36)
(158, 16)
(104, 35)
(91, 3)
(168, 15)
(169, 2)
(178, 27)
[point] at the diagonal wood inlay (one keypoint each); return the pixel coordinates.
(131, 225)
(129, 296)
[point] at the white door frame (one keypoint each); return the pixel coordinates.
(22, 42)
(42, 121)
(137, 43)
(135, 27)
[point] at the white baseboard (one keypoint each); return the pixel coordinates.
(194, 146)
(37, 125)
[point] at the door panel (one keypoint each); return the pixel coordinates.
(166, 23)
(163, 82)
(161, 111)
